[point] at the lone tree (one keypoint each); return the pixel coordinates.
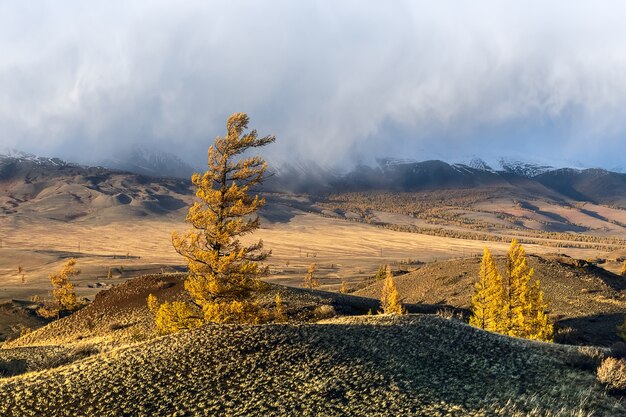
(310, 281)
(223, 272)
(62, 291)
(390, 300)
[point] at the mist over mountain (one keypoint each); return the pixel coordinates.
(149, 162)
(337, 85)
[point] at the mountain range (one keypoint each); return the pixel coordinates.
(592, 185)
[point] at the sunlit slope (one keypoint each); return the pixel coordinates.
(412, 365)
(587, 299)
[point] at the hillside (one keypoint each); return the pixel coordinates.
(587, 302)
(56, 190)
(120, 314)
(412, 365)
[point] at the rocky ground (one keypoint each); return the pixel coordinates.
(371, 365)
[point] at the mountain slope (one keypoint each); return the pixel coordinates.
(596, 185)
(54, 189)
(412, 365)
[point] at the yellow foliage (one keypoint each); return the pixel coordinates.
(220, 266)
(279, 310)
(234, 312)
(487, 299)
(310, 281)
(176, 316)
(153, 303)
(381, 273)
(48, 312)
(390, 300)
(509, 304)
(62, 289)
(623, 272)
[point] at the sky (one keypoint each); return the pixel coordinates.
(338, 82)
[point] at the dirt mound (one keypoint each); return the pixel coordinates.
(588, 300)
(117, 314)
(411, 365)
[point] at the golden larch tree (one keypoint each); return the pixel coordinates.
(516, 291)
(62, 291)
(223, 271)
(381, 273)
(280, 316)
(390, 299)
(487, 299)
(509, 304)
(537, 325)
(310, 280)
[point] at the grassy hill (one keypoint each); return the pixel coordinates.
(372, 365)
(587, 302)
(120, 314)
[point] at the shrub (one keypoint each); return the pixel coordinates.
(82, 351)
(449, 314)
(612, 373)
(324, 312)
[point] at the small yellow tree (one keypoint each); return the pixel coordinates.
(153, 303)
(381, 273)
(280, 316)
(310, 280)
(390, 300)
(223, 271)
(623, 272)
(62, 291)
(487, 299)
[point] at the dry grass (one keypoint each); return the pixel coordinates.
(378, 365)
(612, 373)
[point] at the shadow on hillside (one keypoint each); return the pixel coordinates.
(282, 208)
(598, 329)
(616, 282)
(12, 367)
(355, 305)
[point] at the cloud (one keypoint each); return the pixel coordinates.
(335, 81)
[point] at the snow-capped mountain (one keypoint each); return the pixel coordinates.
(523, 168)
(16, 155)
